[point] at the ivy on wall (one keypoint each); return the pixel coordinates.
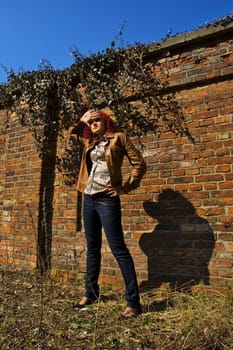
(49, 100)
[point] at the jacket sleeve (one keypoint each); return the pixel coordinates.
(77, 131)
(138, 166)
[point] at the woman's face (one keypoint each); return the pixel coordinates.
(97, 126)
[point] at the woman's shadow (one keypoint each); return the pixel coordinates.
(181, 245)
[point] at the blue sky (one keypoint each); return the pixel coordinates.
(33, 30)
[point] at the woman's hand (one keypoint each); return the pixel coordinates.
(112, 192)
(91, 113)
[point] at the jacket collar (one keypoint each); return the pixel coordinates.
(106, 137)
(110, 135)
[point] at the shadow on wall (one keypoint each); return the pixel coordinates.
(180, 246)
(69, 165)
(45, 214)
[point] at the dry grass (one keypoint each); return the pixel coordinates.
(38, 314)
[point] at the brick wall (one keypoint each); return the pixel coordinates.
(179, 223)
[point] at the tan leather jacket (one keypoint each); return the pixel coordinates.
(117, 147)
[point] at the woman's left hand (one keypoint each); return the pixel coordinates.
(112, 192)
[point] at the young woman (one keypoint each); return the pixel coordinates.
(100, 180)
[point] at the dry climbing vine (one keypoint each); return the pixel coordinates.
(48, 101)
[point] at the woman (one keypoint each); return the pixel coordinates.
(100, 180)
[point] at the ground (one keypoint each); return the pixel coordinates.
(37, 313)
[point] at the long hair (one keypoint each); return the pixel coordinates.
(109, 125)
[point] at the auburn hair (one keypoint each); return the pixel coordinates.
(109, 124)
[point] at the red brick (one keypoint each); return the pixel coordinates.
(223, 168)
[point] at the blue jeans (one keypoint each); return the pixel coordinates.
(102, 211)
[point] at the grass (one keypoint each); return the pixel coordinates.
(38, 314)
